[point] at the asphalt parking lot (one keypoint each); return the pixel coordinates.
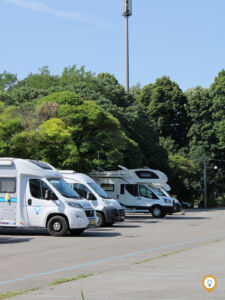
(141, 258)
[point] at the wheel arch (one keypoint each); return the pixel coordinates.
(55, 215)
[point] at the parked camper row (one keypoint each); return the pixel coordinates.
(139, 190)
(35, 194)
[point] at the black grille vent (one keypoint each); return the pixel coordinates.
(89, 213)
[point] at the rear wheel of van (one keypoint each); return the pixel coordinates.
(157, 212)
(57, 226)
(100, 219)
(76, 231)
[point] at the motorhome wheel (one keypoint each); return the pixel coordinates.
(57, 226)
(76, 231)
(100, 219)
(157, 212)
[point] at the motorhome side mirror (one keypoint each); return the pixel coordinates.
(53, 196)
(90, 196)
(49, 195)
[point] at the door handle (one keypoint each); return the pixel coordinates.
(29, 201)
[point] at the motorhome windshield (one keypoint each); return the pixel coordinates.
(98, 190)
(63, 188)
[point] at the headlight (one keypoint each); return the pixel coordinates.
(107, 202)
(167, 200)
(72, 204)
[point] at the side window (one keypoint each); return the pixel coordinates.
(81, 189)
(108, 187)
(132, 189)
(7, 185)
(147, 193)
(143, 191)
(40, 190)
(35, 188)
(122, 189)
(78, 188)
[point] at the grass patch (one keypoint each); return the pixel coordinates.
(211, 242)
(64, 280)
(161, 256)
(82, 295)
(10, 294)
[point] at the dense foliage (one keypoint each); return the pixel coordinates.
(70, 120)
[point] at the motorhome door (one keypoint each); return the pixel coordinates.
(38, 201)
(146, 196)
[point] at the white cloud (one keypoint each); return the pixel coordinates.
(41, 7)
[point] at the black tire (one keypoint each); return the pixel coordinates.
(76, 231)
(57, 226)
(157, 212)
(100, 219)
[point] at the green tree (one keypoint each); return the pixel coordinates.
(165, 103)
(7, 80)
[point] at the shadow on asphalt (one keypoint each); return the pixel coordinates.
(13, 240)
(186, 218)
(14, 231)
(93, 232)
(99, 234)
(140, 219)
(126, 226)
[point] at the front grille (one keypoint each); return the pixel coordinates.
(119, 212)
(89, 213)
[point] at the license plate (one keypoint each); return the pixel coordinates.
(92, 222)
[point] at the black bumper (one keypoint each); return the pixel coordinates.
(176, 207)
(113, 214)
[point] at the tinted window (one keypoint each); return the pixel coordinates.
(122, 189)
(108, 187)
(39, 189)
(7, 185)
(146, 174)
(41, 164)
(132, 189)
(81, 189)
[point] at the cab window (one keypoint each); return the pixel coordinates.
(40, 190)
(81, 189)
(147, 193)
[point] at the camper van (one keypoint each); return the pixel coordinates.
(108, 210)
(34, 194)
(131, 188)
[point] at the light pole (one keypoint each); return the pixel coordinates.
(127, 12)
(205, 181)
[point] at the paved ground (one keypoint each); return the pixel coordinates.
(142, 258)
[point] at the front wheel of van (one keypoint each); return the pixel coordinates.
(100, 219)
(57, 226)
(157, 212)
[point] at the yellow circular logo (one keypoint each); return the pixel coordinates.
(209, 282)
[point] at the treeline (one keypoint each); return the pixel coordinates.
(70, 119)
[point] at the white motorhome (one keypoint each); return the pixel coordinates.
(34, 194)
(108, 210)
(131, 188)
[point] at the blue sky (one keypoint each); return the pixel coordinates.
(183, 39)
